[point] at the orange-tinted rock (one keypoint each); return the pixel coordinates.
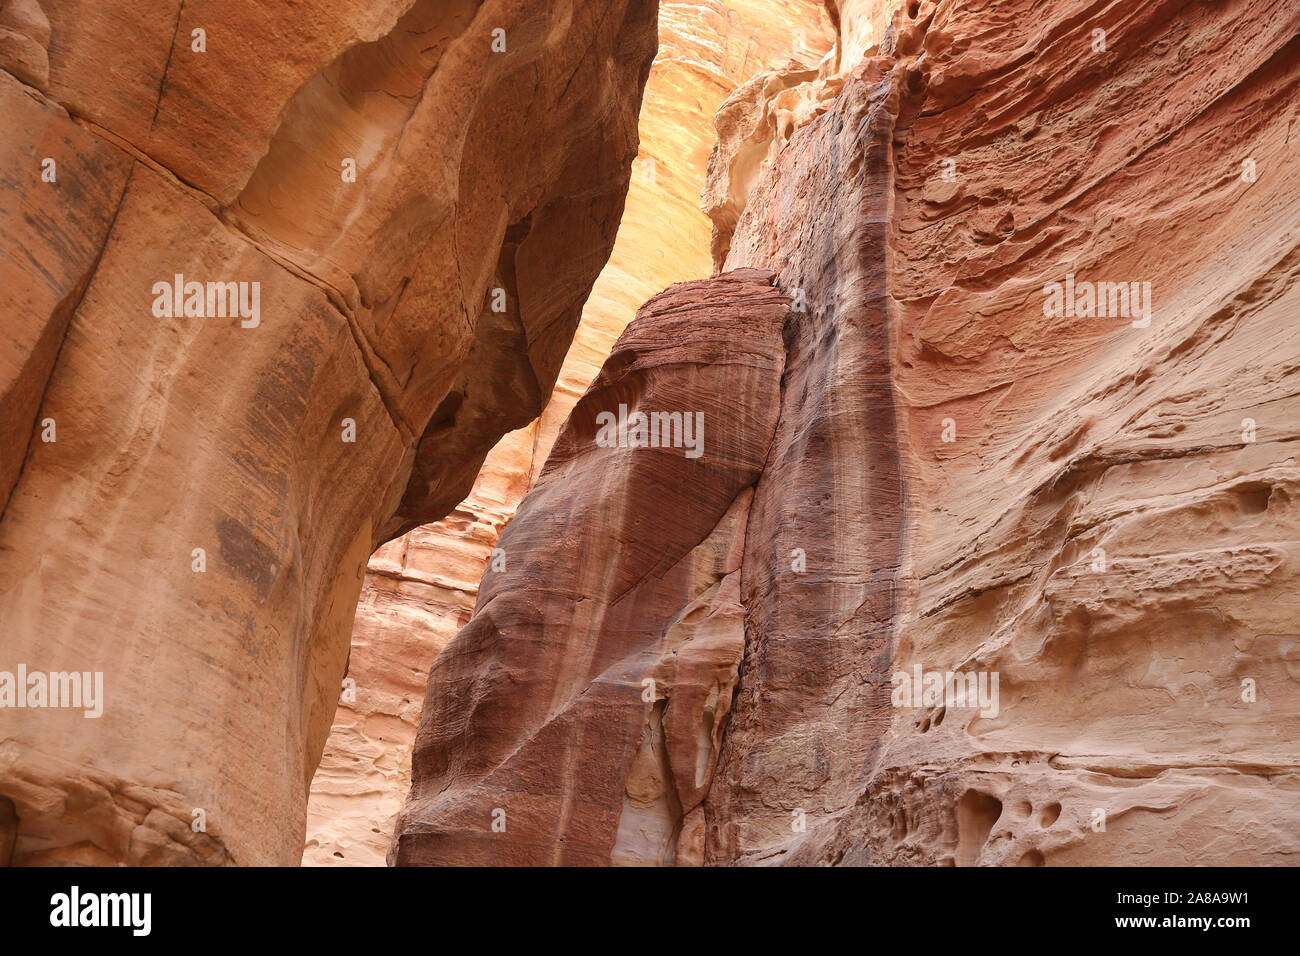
(200, 528)
(932, 467)
(24, 42)
(705, 50)
(63, 229)
(1097, 509)
(577, 717)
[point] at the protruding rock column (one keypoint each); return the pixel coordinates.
(577, 717)
(421, 590)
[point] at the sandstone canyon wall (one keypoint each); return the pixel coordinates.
(520, 724)
(411, 200)
(995, 377)
(1110, 526)
(421, 589)
(702, 660)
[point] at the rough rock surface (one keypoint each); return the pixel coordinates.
(1099, 513)
(705, 51)
(1098, 509)
(198, 528)
(823, 551)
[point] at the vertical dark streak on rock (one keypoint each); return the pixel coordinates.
(64, 313)
(162, 85)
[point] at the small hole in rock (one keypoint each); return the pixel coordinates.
(1050, 814)
(977, 813)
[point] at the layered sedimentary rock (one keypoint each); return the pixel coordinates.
(1099, 505)
(705, 51)
(823, 552)
(276, 278)
(1097, 513)
(577, 718)
(419, 592)
(1036, 425)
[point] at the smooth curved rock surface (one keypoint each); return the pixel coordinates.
(705, 51)
(199, 527)
(576, 719)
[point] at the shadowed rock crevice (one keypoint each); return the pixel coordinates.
(423, 586)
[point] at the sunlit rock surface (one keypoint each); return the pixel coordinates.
(419, 592)
(706, 50)
(1097, 507)
(190, 487)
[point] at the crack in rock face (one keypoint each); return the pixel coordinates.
(422, 588)
(25, 42)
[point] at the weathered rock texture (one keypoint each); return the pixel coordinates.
(705, 51)
(1113, 529)
(577, 718)
(1101, 513)
(216, 145)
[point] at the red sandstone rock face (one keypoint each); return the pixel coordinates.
(198, 528)
(577, 718)
(1099, 513)
(705, 51)
(1115, 528)
(823, 551)
(1102, 528)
